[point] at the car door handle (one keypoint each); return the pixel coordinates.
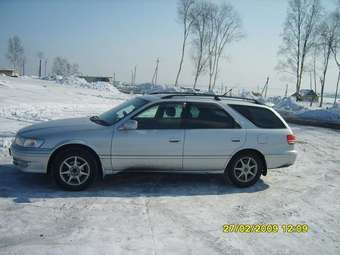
(174, 140)
(235, 140)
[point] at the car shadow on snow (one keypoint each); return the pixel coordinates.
(24, 186)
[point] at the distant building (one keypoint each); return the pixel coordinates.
(97, 78)
(9, 72)
(306, 95)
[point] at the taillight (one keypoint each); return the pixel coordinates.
(291, 139)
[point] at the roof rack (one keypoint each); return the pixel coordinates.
(216, 97)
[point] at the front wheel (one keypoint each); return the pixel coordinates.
(74, 169)
(244, 170)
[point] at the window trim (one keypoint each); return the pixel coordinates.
(185, 116)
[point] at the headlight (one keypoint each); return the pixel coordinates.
(28, 142)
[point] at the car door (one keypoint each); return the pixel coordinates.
(211, 137)
(156, 144)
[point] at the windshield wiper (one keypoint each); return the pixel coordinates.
(98, 120)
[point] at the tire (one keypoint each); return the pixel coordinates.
(244, 170)
(74, 170)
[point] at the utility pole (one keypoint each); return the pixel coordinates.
(45, 66)
(39, 68)
(114, 79)
(134, 75)
(23, 66)
(286, 92)
(155, 74)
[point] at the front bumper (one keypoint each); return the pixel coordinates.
(32, 160)
(282, 160)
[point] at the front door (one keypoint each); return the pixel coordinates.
(211, 137)
(157, 143)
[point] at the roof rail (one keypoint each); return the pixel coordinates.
(216, 97)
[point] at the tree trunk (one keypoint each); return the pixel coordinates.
(198, 68)
(337, 87)
(182, 58)
(324, 76)
(196, 77)
(314, 74)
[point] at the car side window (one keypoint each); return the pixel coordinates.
(260, 117)
(208, 116)
(161, 116)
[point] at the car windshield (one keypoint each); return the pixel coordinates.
(117, 113)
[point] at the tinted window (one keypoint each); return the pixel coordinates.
(261, 117)
(161, 116)
(208, 116)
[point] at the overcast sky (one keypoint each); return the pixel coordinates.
(104, 37)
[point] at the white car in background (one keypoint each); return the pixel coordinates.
(169, 132)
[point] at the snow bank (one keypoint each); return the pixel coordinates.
(289, 107)
(147, 88)
(288, 104)
(331, 114)
(82, 83)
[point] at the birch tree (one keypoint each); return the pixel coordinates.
(15, 52)
(183, 10)
(298, 37)
(201, 14)
(225, 27)
(336, 50)
(328, 32)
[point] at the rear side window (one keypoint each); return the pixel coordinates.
(208, 116)
(260, 117)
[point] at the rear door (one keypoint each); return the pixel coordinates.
(157, 143)
(211, 137)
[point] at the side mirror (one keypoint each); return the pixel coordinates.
(129, 125)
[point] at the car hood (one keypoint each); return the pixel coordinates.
(57, 126)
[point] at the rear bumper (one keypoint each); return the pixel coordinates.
(32, 160)
(282, 160)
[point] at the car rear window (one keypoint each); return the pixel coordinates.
(259, 116)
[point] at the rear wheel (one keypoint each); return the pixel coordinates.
(244, 170)
(74, 169)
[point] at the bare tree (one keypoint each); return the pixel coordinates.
(15, 52)
(63, 67)
(338, 65)
(225, 27)
(200, 14)
(299, 35)
(183, 11)
(335, 51)
(328, 31)
(40, 55)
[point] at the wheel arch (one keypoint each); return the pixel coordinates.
(74, 146)
(251, 150)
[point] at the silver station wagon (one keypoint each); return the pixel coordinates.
(170, 132)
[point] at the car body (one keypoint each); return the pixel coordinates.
(186, 133)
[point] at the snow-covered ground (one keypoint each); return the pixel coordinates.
(160, 213)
